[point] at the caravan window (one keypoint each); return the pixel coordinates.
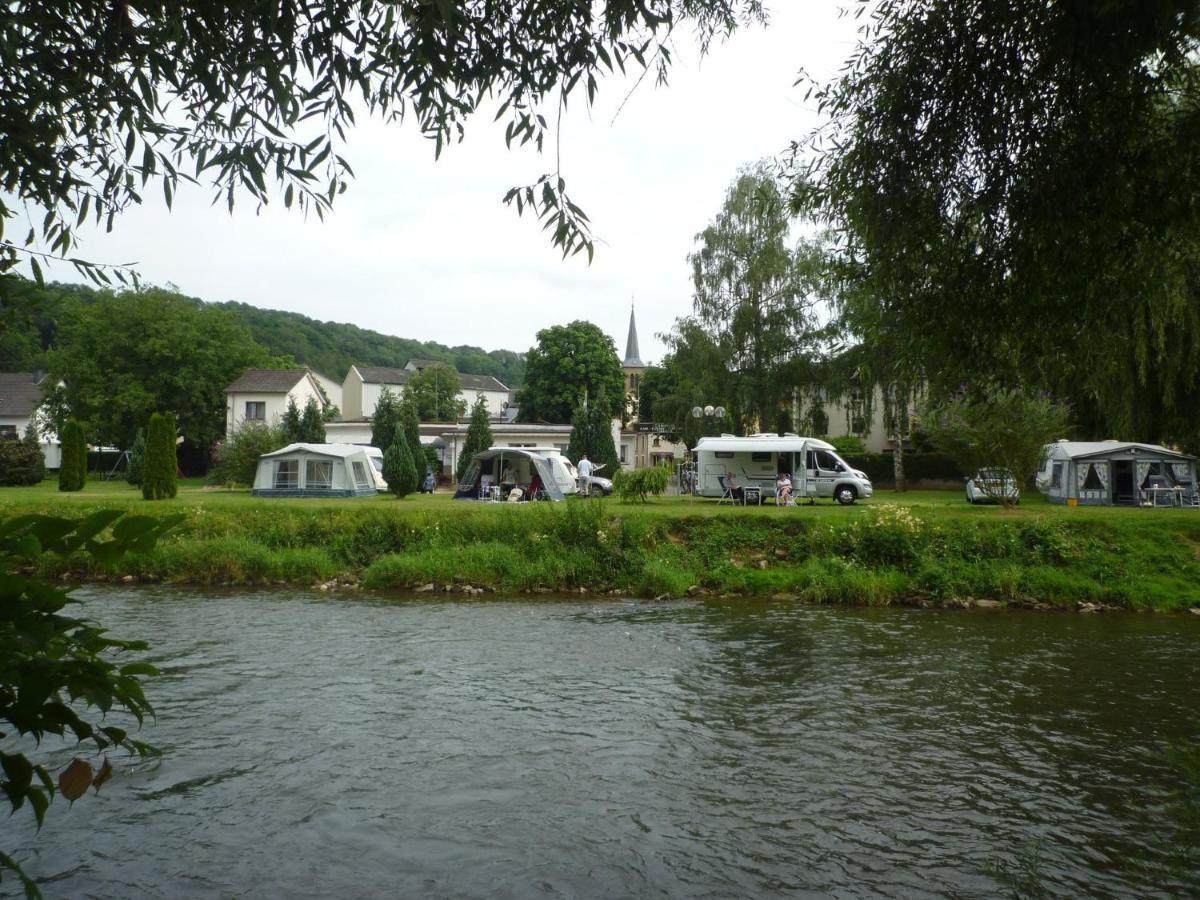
(724, 454)
(318, 474)
(1056, 478)
(287, 473)
(760, 456)
(360, 475)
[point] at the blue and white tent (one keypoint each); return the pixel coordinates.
(316, 470)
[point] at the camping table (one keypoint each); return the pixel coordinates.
(1171, 495)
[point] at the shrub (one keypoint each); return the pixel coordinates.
(137, 459)
(848, 443)
(73, 472)
(21, 463)
(236, 458)
(161, 467)
(638, 484)
(479, 436)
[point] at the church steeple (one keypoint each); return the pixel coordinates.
(633, 357)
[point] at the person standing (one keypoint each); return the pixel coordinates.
(585, 469)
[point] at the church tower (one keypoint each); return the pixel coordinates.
(632, 365)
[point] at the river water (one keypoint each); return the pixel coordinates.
(319, 746)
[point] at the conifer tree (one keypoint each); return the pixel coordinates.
(604, 452)
(581, 439)
(292, 429)
(411, 423)
(399, 469)
(160, 466)
(72, 472)
(383, 423)
(137, 459)
(479, 436)
(312, 426)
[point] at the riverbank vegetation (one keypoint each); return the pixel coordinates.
(926, 548)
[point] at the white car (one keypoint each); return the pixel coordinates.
(998, 481)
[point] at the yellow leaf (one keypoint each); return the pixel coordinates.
(74, 780)
(103, 775)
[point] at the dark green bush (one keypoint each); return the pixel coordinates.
(161, 467)
(21, 462)
(236, 458)
(73, 472)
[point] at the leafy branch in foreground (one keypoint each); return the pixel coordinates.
(105, 101)
(54, 667)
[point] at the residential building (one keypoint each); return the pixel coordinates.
(364, 384)
(262, 395)
(21, 397)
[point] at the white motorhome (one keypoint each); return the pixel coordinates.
(813, 465)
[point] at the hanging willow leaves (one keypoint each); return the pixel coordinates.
(249, 97)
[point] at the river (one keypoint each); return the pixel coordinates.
(348, 746)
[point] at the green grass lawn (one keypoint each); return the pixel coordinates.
(194, 492)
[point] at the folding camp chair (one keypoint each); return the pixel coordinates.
(727, 495)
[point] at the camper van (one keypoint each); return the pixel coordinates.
(813, 465)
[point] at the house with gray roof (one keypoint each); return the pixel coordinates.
(262, 395)
(21, 397)
(364, 384)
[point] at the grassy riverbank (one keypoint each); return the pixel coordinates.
(927, 547)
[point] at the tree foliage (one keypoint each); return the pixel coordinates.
(72, 472)
(479, 436)
(21, 462)
(412, 428)
(399, 465)
(996, 429)
(385, 419)
(124, 354)
(591, 434)
(754, 297)
(256, 98)
(137, 459)
(161, 469)
(56, 669)
(290, 422)
(312, 423)
(1017, 182)
(568, 364)
(640, 484)
(235, 460)
(435, 393)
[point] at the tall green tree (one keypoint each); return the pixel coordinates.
(569, 363)
(399, 466)
(312, 424)
(755, 296)
(153, 349)
(161, 468)
(256, 98)
(1018, 182)
(72, 473)
(290, 422)
(411, 425)
(591, 435)
(479, 437)
(385, 419)
(435, 392)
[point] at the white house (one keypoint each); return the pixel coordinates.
(364, 384)
(333, 389)
(262, 395)
(21, 396)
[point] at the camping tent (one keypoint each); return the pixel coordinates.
(315, 470)
(494, 473)
(1114, 472)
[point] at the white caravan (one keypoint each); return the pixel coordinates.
(813, 465)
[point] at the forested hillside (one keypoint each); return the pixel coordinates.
(33, 317)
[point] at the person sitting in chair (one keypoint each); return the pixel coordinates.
(731, 485)
(783, 490)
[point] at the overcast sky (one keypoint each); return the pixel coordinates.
(427, 250)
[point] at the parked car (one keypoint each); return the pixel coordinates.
(998, 481)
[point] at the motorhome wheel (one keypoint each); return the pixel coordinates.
(846, 495)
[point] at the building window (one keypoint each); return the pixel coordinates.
(287, 474)
(318, 474)
(624, 453)
(8, 432)
(256, 411)
(360, 475)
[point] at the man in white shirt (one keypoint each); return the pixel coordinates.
(585, 474)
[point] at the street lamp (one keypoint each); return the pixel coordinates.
(708, 411)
